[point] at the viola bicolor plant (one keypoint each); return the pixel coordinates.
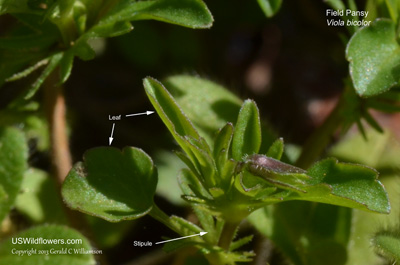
(224, 182)
(233, 175)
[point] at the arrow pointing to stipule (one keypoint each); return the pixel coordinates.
(179, 238)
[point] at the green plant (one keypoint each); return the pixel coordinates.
(40, 51)
(224, 183)
(234, 170)
(59, 31)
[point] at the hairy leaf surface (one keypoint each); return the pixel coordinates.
(111, 184)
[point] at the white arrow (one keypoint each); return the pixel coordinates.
(110, 139)
(142, 113)
(179, 238)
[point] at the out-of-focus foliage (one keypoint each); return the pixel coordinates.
(71, 25)
(231, 166)
(13, 155)
(57, 253)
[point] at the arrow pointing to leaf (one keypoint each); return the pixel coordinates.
(142, 113)
(110, 139)
(179, 238)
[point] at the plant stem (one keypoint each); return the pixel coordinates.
(55, 109)
(60, 152)
(321, 137)
(163, 218)
(227, 235)
(59, 148)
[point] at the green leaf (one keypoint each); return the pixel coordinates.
(84, 51)
(54, 60)
(113, 30)
(366, 224)
(186, 228)
(35, 126)
(371, 121)
(14, 61)
(216, 192)
(192, 186)
(25, 46)
(247, 135)
(222, 144)
(232, 257)
(169, 111)
(276, 149)
(392, 6)
(168, 167)
(252, 186)
(13, 156)
(374, 72)
(203, 160)
(181, 129)
(27, 71)
(187, 13)
(186, 160)
(383, 150)
(15, 6)
(381, 105)
(227, 172)
(61, 13)
(213, 227)
(241, 242)
(270, 7)
(45, 253)
(111, 184)
(38, 198)
(208, 105)
(327, 181)
(387, 244)
(314, 230)
(350, 185)
(66, 66)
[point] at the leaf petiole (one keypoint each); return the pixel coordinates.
(163, 218)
